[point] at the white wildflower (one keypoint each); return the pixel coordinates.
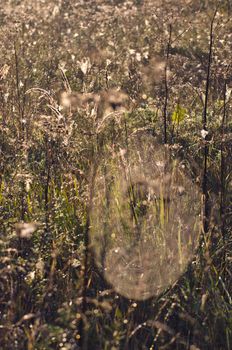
(204, 133)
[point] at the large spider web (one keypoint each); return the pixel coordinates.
(145, 218)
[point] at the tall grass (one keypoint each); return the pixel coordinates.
(99, 223)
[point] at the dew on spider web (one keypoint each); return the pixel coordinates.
(145, 219)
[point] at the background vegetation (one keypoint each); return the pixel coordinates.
(60, 63)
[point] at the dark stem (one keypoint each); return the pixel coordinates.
(46, 199)
(223, 167)
(205, 193)
(84, 304)
(44, 240)
(18, 81)
(166, 84)
(131, 193)
(21, 106)
(204, 121)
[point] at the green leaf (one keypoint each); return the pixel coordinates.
(118, 313)
(219, 104)
(179, 114)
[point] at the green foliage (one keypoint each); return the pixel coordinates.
(179, 114)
